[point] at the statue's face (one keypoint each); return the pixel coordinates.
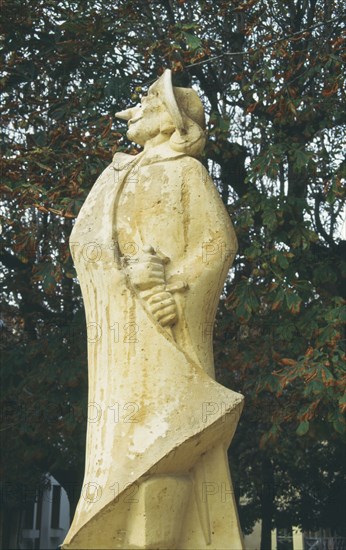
(148, 119)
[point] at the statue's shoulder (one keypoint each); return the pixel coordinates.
(165, 154)
(184, 162)
(180, 170)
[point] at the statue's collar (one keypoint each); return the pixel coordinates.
(123, 161)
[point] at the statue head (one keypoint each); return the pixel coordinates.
(175, 114)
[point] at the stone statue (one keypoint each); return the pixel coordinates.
(152, 247)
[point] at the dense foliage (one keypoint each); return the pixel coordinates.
(271, 77)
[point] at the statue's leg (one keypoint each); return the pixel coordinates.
(211, 520)
(157, 514)
(193, 511)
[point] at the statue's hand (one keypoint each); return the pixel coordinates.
(147, 275)
(147, 272)
(162, 306)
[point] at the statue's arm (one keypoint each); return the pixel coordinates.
(187, 242)
(209, 243)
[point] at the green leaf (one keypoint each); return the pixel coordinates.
(192, 41)
(48, 274)
(282, 260)
(342, 401)
(252, 252)
(269, 219)
(303, 427)
(314, 387)
(327, 375)
(339, 425)
(293, 302)
(243, 312)
(278, 300)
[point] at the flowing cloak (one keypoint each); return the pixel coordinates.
(154, 407)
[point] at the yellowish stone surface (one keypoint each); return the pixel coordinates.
(152, 246)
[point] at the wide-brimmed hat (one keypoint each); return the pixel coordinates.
(179, 102)
(186, 111)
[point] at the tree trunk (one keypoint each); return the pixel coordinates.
(267, 501)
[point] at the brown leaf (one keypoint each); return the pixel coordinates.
(288, 362)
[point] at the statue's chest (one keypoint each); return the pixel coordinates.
(144, 195)
(144, 188)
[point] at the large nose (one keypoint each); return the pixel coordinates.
(128, 113)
